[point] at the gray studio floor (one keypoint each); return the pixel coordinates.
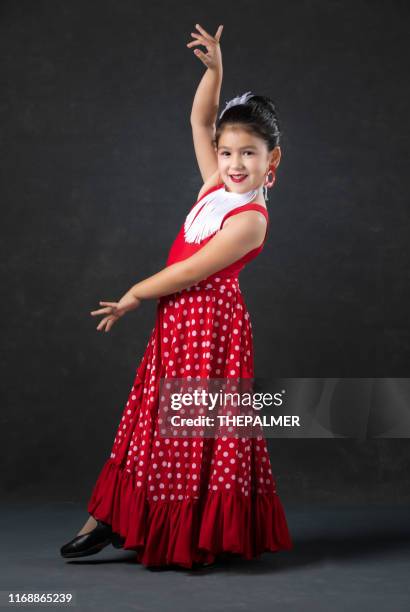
(344, 559)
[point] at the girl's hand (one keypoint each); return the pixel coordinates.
(213, 58)
(114, 310)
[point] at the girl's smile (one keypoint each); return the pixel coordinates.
(238, 178)
(243, 160)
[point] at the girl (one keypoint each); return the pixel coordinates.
(184, 502)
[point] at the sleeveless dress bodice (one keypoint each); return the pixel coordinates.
(181, 249)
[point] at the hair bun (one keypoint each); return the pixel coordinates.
(255, 113)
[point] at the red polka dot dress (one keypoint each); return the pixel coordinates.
(180, 501)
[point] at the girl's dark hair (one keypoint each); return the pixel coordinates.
(257, 115)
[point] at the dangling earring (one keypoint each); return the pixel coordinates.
(269, 183)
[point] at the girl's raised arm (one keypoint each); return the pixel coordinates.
(206, 101)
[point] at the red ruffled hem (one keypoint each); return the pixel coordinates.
(184, 532)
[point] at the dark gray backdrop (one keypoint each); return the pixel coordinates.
(98, 171)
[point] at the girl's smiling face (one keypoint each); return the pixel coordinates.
(240, 152)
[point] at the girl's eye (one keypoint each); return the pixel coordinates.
(227, 152)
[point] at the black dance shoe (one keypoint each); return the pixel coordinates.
(88, 543)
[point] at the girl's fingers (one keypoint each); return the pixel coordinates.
(110, 324)
(107, 309)
(102, 323)
(200, 40)
(218, 32)
(108, 321)
(101, 311)
(197, 42)
(202, 56)
(204, 32)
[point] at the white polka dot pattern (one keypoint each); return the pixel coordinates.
(204, 331)
(180, 501)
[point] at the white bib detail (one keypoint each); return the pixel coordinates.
(212, 209)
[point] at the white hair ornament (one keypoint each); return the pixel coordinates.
(238, 100)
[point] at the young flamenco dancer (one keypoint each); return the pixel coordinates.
(186, 502)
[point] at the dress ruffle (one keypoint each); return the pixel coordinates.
(188, 531)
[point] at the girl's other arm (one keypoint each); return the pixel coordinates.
(244, 232)
(206, 100)
(240, 234)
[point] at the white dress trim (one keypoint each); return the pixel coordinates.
(212, 209)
